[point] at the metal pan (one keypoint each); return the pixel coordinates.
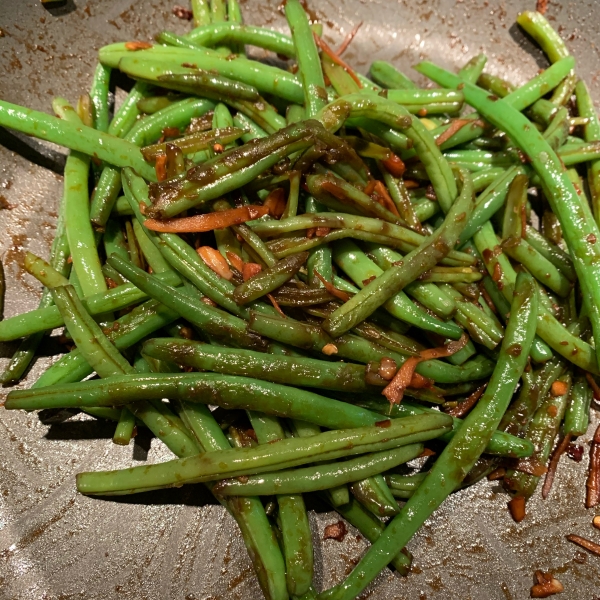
(178, 544)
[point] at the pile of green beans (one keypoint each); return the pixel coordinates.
(477, 262)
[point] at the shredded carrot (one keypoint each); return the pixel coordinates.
(370, 187)
(553, 464)
(249, 270)
(594, 386)
(334, 190)
(585, 543)
(235, 260)
(343, 296)
(466, 405)
(336, 59)
(394, 391)
(454, 127)
(137, 45)
(276, 305)
(160, 167)
(214, 260)
(394, 165)
(348, 39)
(275, 202)
(208, 222)
(387, 199)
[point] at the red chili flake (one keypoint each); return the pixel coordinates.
(183, 13)
(575, 452)
(546, 585)
(384, 424)
(422, 112)
(394, 165)
(499, 473)
(591, 238)
(369, 279)
(322, 231)
(137, 46)
(171, 132)
(160, 166)
(310, 232)
(110, 283)
(218, 148)
(541, 6)
(335, 531)
(426, 453)
(559, 388)
(552, 411)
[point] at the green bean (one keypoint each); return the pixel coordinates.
(473, 69)
(146, 130)
(427, 294)
(557, 132)
(577, 417)
(417, 262)
(540, 85)
(408, 239)
(307, 56)
(580, 230)
(201, 12)
(293, 520)
(360, 269)
(247, 461)
(228, 171)
(99, 97)
(79, 138)
(231, 33)
(408, 483)
(187, 80)
(303, 372)
(125, 428)
(253, 131)
(435, 102)
(558, 257)
(76, 212)
(375, 496)
(270, 279)
(214, 321)
(388, 76)
(591, 132)
(533, 393)
(500, 444)
(42, 319)
(539, 266)
(134, 253)
(541, 431)
(265, 78)
(248, 512)
(459, 456)
(151, 254)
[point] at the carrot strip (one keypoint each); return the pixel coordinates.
(343, 296)
(208, 222)
(235, 260)
(249, 270)
(394, 165)
(394, 391)
(348, 39)
(214, 260)
(466, 405)
(553, 464)
(336, 59)
(275, 202)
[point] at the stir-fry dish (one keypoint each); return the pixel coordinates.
(303, 280)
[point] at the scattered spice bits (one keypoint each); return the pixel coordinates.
(335, 531)
(596, 522)
(592, 497)
(133, 46)
(584, 543)
(516, 506)
(541, 6)
(183, 13)
(385, 424)
(546, 585)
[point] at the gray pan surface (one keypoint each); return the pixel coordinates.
(177, 544)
